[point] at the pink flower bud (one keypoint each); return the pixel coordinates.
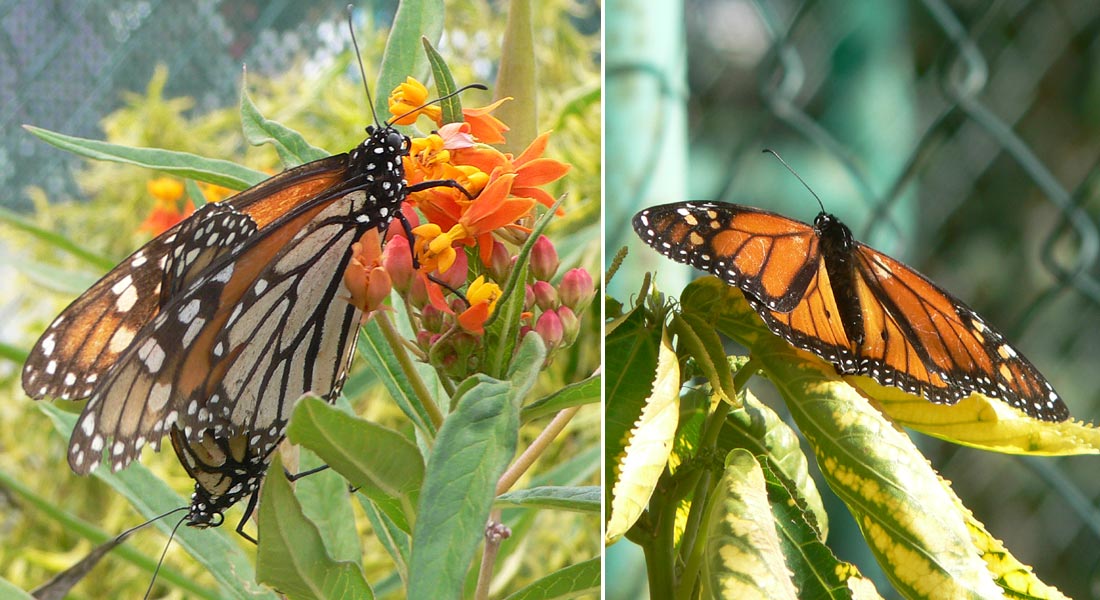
(570, 325)
(546, 297)
(397, 259)
(500, 264)
(577, 289)
(549, 329)
(431, 319)
(544, 259)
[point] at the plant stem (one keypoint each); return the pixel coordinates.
(409, 369)
(488, 560)
(537, 447)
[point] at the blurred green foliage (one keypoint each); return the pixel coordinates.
(324, 100)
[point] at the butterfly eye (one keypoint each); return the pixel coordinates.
(397, 141)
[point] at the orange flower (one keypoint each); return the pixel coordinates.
(483, 298)
(407, 102)
(485, 127)
(493, 209)
(166, 212)
(530, 168)
(365, 278)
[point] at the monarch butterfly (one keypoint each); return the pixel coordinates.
(213, 330)
(864, 312)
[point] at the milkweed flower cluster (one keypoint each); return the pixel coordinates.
(457, 233)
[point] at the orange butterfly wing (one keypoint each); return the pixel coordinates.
(86, 339)
(738, 246)
(873, 316)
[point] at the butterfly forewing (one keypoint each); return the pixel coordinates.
(253, 327)
(711, 237)
(86, 339)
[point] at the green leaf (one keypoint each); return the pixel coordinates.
(212, 548)
(502, 328)
(758, 429)
(180, 164)
(743, 554)
(471, 452)
(702, 343)
(444, 84)
(817, 572)
(292, 148)
(647, 443)
(585, 391)
(403, 57)
(569, 582)
(393, 538)
(580, 499)
(382, 463)
(327, 503)
(10, 591)
(292, 557)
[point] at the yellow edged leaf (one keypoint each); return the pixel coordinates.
(647, 450)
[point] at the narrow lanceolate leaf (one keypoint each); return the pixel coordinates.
(701, 341)
(382, 463)
(444, 84)
(816, 571)
(569, 582)
(648, 446)
(473, 448)
(180, 164)
(373, 346)
(585, 391)
(404, 56)
(743, 556)
(580, 499)
(293, 149)
(911, 523)
(291, 556)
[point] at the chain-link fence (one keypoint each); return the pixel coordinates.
(66, 65)
(961, 136)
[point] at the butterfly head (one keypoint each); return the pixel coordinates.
(831, 229)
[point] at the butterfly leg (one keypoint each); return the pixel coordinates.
(296, 476)
(252, 500)
(427, 185)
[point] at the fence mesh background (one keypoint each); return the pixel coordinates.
(65, 64)
(961, 136)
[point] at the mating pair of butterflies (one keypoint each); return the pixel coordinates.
(855, 307)
(213, 330)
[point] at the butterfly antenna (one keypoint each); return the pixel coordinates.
(362, 69)
(776, 154)
(472, 86)
(164, 552)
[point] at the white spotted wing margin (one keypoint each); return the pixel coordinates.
(239, 345)
(70, 359)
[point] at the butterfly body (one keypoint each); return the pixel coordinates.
(861, 310)
(212, 331)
